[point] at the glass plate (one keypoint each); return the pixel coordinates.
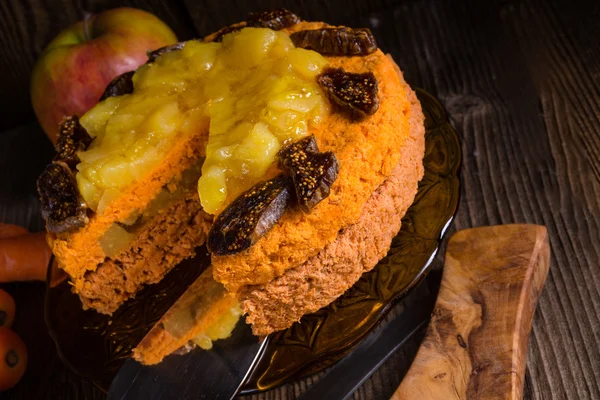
(95, 345)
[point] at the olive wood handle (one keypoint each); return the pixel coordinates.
(476, 343)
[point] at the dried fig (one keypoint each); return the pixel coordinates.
(249, 217)
(122, 84)
(62, 206)
(312, 172)
(355, 94)
(336, 41)
(273, 19)
(72, 138)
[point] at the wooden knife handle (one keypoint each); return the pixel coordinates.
(476, 343)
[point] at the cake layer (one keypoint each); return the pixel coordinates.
(367, 151)
(357, 249)
(169, 238)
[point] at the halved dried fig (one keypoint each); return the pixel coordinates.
(336, 41)
(312, 172)
(249, 217)
(355, 94)
(153, 55)
(72, 137)
(62, 206)
(273, 19)
(122, 84)
(228, 29)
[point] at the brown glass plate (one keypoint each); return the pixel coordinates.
(95, 346)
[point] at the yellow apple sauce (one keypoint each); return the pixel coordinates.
(255, 91)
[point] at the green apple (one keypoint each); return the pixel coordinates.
(74, 69)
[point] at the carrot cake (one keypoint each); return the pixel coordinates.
(292, 148)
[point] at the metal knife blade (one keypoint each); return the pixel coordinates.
(200, 374)
(345, 377)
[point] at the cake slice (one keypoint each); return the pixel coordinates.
(136, 237)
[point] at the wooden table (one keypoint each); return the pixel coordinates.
(521, 82)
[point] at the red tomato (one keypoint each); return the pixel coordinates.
(7, 309)
(13, 358)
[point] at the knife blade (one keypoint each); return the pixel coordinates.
(345, 377)
(200, 374)
(220, 372)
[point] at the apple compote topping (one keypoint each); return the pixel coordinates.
(153, 55)
(258, 91)
(220, 329)
(263, 95)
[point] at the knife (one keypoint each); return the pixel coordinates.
(200, 374)
(220, 372)
(352, 371)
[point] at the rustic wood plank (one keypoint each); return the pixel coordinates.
(27, 27)
(566, 73)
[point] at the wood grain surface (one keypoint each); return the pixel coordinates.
(521, 83)
(477, 340)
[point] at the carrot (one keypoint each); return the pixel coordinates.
(24, 257)
(13, 358)
(9, 230)
(7, 309)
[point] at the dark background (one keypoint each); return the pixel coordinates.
(521, 82)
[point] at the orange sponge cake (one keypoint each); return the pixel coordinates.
(292, 148)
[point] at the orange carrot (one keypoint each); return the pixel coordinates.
(9, 230)
(13, 358)
(24, 257)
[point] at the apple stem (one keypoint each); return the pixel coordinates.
(87, 17)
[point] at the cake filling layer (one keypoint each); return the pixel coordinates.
(143, 247)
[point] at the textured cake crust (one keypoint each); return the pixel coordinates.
(366, 150)
(358, 248)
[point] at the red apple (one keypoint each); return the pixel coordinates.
(74, 69)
